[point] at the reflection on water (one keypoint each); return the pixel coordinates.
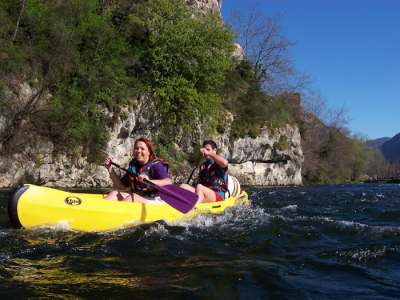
(59, 271)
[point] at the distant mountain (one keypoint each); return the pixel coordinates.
(378, 142)
(391, 148)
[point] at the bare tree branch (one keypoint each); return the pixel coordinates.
(268, 49)
(19, 18)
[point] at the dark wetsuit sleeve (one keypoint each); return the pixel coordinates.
(125, 180)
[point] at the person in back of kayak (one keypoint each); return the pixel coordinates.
(211, 186)
(147, 166)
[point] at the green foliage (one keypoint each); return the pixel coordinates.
(78, 56)
(221, 128)
(253, 133)
(179, 158)
(312, 178)
(123, 115)
(178, 155)
(239, 127)
(250, 104)
(162, 152)
(165, 138)
(339, 159)
(272, 128)
(237, 82)
(282, 144)
(29, 178)
(195, 156)
(360, 157)
(302, 127)
(187, 58)
(91, 55)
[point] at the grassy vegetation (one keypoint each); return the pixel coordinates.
(250, 104)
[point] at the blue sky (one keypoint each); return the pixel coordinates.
(352, 50)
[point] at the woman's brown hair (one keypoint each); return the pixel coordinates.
(152, 154)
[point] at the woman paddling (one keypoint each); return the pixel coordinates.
(146, 166)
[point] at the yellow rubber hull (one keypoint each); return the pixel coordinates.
(33, 206)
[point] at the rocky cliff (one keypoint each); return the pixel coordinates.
(205, 5)
(253, 161)
(260, 161)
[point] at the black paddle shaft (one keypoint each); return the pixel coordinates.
(135, 175)
(123, 169)
(197, 163)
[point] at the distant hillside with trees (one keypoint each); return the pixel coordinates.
(386, 155)
(391, 149)
(378, 142)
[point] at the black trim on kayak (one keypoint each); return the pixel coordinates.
(13, 205)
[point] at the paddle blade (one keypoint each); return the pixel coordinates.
(179, 198)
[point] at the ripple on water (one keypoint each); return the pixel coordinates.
(324, 242)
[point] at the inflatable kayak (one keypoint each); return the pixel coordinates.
(32, 206)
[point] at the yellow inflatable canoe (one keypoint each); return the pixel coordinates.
(32, 206)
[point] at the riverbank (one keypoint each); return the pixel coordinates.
(383, 181)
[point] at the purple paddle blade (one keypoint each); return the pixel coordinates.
(179, 198)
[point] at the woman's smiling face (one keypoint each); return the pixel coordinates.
(141, 152)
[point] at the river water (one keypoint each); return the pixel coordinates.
(324, 242)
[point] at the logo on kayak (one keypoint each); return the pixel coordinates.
(73, 201)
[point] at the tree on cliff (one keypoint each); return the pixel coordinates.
(268, 72)
(187, 57)
(268, 49)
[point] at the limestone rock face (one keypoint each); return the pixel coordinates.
(238, 52)
(45, 165)
(258, 162)
(205, 6)
(253, 161)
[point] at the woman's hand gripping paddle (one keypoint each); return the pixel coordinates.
(179, 198)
